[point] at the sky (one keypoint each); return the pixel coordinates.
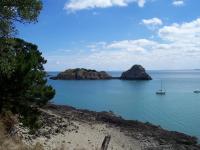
(116, 34)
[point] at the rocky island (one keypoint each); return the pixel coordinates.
(82, 74)
(136, 72)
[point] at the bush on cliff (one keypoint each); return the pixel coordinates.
(22, 78)
(23, 87)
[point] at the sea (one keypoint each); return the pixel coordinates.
(178, 110)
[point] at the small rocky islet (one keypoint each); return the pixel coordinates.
(82, 74)
(136, 72)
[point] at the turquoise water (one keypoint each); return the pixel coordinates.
(178, 110)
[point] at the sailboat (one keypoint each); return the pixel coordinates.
(197, 91)
(161, 91)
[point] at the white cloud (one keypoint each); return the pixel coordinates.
(178, 47)
(178, 2)
(185, 32)
(138, 46)
(152, 23)
(75, 5)
(141, 3)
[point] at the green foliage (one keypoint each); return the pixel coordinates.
(23, 87)
(23, 83)
(30, 120)
(23, 11)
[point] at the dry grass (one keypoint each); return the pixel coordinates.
(13, 143)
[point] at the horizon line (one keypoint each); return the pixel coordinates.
(127, 69)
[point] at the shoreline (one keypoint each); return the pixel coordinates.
(71, 128)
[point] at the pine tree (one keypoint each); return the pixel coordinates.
(23, 83)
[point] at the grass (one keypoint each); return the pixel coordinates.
(8, 142)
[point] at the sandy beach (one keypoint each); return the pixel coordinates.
(83, 136)
(67, 128)
(90, 138)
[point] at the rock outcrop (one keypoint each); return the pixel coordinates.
(137, 72)
(82, 74)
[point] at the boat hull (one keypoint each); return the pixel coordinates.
(160, 93)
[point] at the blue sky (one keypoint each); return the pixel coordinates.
(115, 34)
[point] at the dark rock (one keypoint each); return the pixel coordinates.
(48, 136)
(137, 72)
(82, 74)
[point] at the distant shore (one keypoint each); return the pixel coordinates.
(70, 128)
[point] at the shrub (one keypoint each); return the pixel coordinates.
(23, 81)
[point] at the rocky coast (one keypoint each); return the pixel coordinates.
(65, 127)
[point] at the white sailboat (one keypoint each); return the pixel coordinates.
(161, 91)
